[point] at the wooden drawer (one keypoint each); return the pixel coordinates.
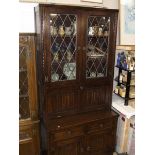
(83, 129)
(68, 133)
(98, 126)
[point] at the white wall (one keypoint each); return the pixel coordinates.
(26, 17)
(111, 4)
(26, 11)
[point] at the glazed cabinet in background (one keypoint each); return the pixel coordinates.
(75, 59)
(28, 107)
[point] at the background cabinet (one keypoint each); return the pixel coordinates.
(28, 108)
(128, 84)
(75, 59)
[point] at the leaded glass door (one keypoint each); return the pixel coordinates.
(62, 47)
(27, 78)
(97, 41)
(24, 109)
(98, 56)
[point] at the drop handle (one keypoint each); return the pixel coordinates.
(81, 87)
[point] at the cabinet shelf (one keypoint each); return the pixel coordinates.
(95, 56)
(64, 36)
(54, 62)
(124, 69)
(124, 97)
(123, 83)
(97, 36)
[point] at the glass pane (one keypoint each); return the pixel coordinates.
(97, 46)
(24, 111)
(63, 46)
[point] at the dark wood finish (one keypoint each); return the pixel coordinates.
(29, 142)
(28, 41)
(76, 115)
(29, 138)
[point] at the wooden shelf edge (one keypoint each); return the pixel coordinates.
(28, 122)
(124, 97)
(126, 47)
(23, 141)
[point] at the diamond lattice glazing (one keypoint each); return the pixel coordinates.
(23, 84)
(97, 46)
(63, 46)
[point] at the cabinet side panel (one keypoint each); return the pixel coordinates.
(40, 63)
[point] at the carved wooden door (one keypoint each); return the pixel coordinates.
(100, 143)
(98, 59)
(67, 147)
(62, 61)
(28, 114)
(28, 109)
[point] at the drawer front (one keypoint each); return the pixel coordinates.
(84, 129)
(68, 133)
(98, 126)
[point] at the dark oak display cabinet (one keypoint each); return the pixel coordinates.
(29, 143)
(75, 64)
